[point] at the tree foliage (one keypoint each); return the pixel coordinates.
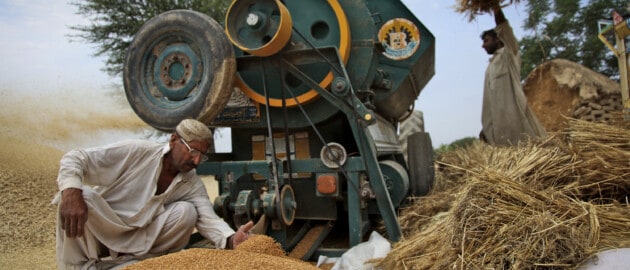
(115, 22)
(461, 143)
(568, 29)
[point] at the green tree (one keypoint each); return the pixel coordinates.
(568, 29)
(115, 22)
(461, 143)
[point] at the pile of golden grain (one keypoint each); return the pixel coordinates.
(472, 8)
(258, 252)
(262, 244)
(551, 204)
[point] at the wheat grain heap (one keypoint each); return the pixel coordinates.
(258, 252)
(541, 205)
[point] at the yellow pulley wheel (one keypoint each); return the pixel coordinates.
(261, 28)
(321, 25)
(287, 205)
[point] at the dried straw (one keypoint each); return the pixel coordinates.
(605, 153)
(614, 226)
(477, 7)
(551, 204)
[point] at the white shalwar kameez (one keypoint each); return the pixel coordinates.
(125, 217)
(505, 116)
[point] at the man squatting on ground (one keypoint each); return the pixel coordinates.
(135, 199)
(505, 116)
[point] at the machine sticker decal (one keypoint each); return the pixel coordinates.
(400, 38)
(239, 109)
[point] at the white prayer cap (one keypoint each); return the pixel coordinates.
(193, 130)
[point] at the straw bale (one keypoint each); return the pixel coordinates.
(550, 204)
(615, 225)
(504, 224)
(423, 211)
(605, 153)
(546, 164)
(507, 224)
(429, 248)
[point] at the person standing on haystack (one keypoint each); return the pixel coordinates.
(506, 118)
(136, 199)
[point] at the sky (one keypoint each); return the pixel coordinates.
(40, 60)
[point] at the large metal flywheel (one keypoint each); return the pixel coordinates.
(179, 65)
(266, 28)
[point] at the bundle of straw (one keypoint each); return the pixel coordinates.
(548, 164)
(505, 224)
(552, 204)
(426, 249)
(423, 211)
(614, 224)
(477, 7)
(605, 154)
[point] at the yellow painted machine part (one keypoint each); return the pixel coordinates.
(280, 38)
(344, 51)
(621, 31)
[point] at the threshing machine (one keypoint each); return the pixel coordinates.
(314, 92)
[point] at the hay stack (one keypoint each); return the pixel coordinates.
(472, 8)
(551, 204)
(561, 88)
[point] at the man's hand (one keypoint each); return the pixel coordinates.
(73, 212)
(242, 234)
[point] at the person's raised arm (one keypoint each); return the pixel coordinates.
(505, 32)
(499, 17)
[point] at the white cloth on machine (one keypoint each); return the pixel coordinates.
(354, 258)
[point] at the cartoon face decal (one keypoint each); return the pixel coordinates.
(397, 40)
(400, 38)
